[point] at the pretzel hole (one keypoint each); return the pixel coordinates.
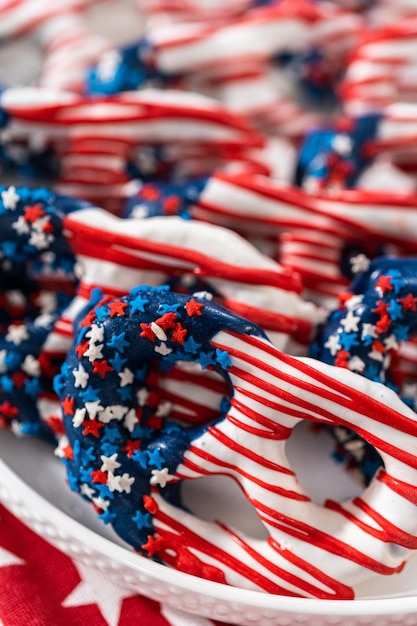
(312, 454)
(220, 498)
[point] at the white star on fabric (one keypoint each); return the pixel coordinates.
(8, 558)
(350, 322)
(126, 377)
(109, 463)
(10, 198)
(160, 477)
(47, 302)
(96, 588)
(17, 334)
(81, 377)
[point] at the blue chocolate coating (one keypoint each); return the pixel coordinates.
(106, 419)
(32, 245)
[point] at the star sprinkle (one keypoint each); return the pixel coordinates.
(160, 477)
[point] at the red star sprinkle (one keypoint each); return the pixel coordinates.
(342, 358)
(168, 320)
(344, 297)
(68, 452)
(153, 546)
(378, 346)
(8, 410)
(89, 319)
(92, 427)
(99, 477)
(179, 333)
(153, 399)
(409, 303)
(150, 505)
(131, 446)
(117, 308)
(68, 406)
(381, 308)
(147, 332)
(171, 205)
(32, 213)
(81, 348)
(383, 324)
(384, 283)
(19, 379)
(149, 193)
(102, 367)
(193, 307)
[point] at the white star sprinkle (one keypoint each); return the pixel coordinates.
(160, 477)
(93, 408)
(142, 396)
(39, 240)
(350, 322)
(94, 352)
(369, 330)
(356, 364)
(120, 483)
(110, 463)
(342, 144)
(333, 344)
(10, 198)
(95, 334)
(126, 377)
(17, 334)
(130, 420)
(31, 365)
(81, 377)
(87, 491)
(21, 226)
(159, 332)
(79, 417)
(113, 412)
(3, 366)
(163, 349)
(359, 263)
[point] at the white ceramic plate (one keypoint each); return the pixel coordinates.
(33, 487)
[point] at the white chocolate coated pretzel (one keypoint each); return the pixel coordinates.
(311, 550)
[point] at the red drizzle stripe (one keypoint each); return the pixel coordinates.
(407, 491)
(274, 429)
(196, 542)
(233, 445)
(362, 403)
(340, 591)
(124, 250)
(318, 538)
(388, 531)
(210, 458)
